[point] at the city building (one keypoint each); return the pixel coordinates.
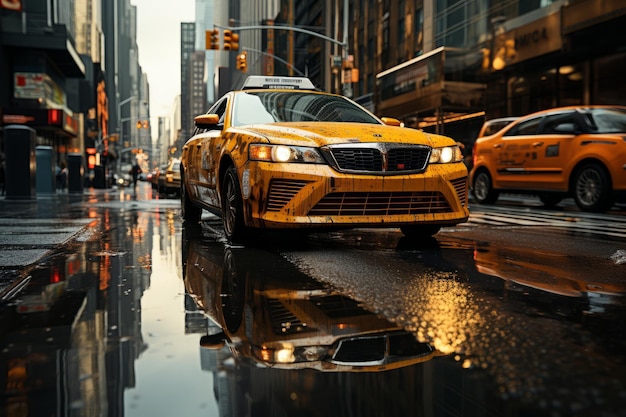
(442, 66)
(38, 60)
(69, 70)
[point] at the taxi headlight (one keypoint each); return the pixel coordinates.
(284, 153)
(446, 155)
(288, 353)
(281, 353)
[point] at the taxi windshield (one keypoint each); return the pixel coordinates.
(277, 106)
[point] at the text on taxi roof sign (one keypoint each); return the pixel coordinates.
(259, 81)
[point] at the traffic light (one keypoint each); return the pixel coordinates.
(234, 41)
(231, 40)
(212, 39)
(242, 61)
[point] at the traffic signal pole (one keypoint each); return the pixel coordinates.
(343, 44)
(347, 87)
(277, 58)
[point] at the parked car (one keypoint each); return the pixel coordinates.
(489, 127)
(494, 125)
(169, 179)
(567, 151)
(280, 155)
(123, 178)
(154, 177)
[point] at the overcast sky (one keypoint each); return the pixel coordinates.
(158, 41)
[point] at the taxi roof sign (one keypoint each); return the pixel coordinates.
(295, 83)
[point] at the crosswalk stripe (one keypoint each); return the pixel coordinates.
(602, 224)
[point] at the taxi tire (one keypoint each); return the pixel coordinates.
(190, 212)
(482, 188)
(550, 200)
(420, 231)
(232, 208)
(591, 187)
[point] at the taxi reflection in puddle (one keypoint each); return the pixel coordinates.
(271, 313)
(553, 273)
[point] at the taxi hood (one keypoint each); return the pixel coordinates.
(328, 133)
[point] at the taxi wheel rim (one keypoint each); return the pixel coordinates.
(230, 214)
(589, 187)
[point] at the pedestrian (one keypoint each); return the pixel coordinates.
(134, 172)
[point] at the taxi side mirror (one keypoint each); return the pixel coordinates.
(213, 342)
(207, 121)
(390, 121)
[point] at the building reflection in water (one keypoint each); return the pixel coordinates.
(275, 342)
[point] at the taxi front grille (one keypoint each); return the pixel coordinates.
(283, 320)
(460, 186)
(362, 350)
(381, 204)
(382, 348)
(379, 158)
(281, 192)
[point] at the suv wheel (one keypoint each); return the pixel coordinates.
(483, 189)
(592, 188)
(232, 207)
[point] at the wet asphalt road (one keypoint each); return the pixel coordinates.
(524, 317)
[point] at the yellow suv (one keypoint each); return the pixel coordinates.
(567, 151)
(279, 154)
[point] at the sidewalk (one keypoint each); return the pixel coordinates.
(32, 229)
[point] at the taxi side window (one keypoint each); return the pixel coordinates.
(218, 108)
(528, 127)
(552, 121)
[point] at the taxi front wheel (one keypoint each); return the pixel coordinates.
(420, 231)
(232, 208)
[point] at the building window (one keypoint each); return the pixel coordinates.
(419, 32)
(608, 84)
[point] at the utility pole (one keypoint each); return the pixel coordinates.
(347, 86)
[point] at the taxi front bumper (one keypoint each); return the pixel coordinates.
(303, 195)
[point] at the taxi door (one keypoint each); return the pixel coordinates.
(208, 167)
(516, 155)
(536, 155)
(552, 151)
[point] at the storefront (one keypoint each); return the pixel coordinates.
(559, 55)
(55, 128)
(439, 92)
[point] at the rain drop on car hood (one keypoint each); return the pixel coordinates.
(327, 133)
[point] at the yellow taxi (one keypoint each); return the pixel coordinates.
(577, 151)
(279, 154)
